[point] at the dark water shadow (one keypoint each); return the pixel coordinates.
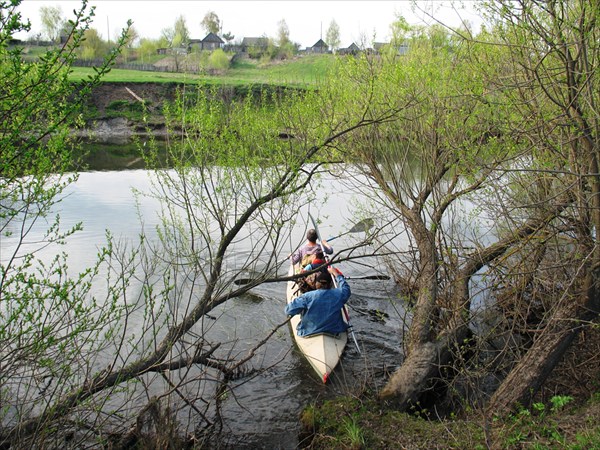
(118, 154)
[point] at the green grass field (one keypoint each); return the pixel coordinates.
(135, 76)
(302, 71)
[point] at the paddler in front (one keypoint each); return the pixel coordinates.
(310, 247)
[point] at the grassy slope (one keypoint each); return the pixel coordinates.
(303, 71)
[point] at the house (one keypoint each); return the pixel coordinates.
(254, 44)
(211, 42)
(352, 49)
(379, 46)
(195, 44)
(319, 47)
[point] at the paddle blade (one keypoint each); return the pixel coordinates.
(362, 226)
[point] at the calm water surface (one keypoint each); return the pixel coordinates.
(264, 411)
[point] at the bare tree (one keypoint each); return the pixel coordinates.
(133, 36)
(168, 35)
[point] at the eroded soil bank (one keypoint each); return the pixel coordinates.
(116, 112)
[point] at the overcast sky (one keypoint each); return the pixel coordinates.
(307, 21)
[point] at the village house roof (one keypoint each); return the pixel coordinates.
(255, 41)
(212, 37)
(352, 49)
(320, 44)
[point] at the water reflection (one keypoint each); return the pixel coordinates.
(263, 412)
(108, 156)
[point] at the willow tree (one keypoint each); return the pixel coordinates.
(52, 22)
(552, 84)
(491, 171)
(423, 170)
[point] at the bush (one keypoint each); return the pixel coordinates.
(218, 60)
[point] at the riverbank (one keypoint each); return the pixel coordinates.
(350, 423)
(129, 103)
(118, 112)
(565, 415)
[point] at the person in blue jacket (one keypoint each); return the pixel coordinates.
(320, 309)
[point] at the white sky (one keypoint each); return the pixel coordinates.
(307, 20)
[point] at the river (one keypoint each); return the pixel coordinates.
(263, 410)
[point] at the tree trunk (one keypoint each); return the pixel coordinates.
(419, 369)
(428, 353)
(526, 378)
(411, 378)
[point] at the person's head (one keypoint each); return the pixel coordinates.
(319, 257)
(323, 281)
(311, 236)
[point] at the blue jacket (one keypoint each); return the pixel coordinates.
(320, 309)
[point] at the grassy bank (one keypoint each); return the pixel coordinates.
(302, 71)
(350, 423)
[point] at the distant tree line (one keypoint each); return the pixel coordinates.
(55, 28)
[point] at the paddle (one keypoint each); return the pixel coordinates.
(344, 309)
(369, 277)
(242, 281)
(359, 227)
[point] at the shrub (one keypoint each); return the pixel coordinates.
(218, 60)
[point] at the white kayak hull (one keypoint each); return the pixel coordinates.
(323, 351)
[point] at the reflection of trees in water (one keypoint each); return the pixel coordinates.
(117, 154)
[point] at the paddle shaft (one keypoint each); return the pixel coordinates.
(242, 281)
(339, 235)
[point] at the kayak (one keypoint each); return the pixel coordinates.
(323, 351)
